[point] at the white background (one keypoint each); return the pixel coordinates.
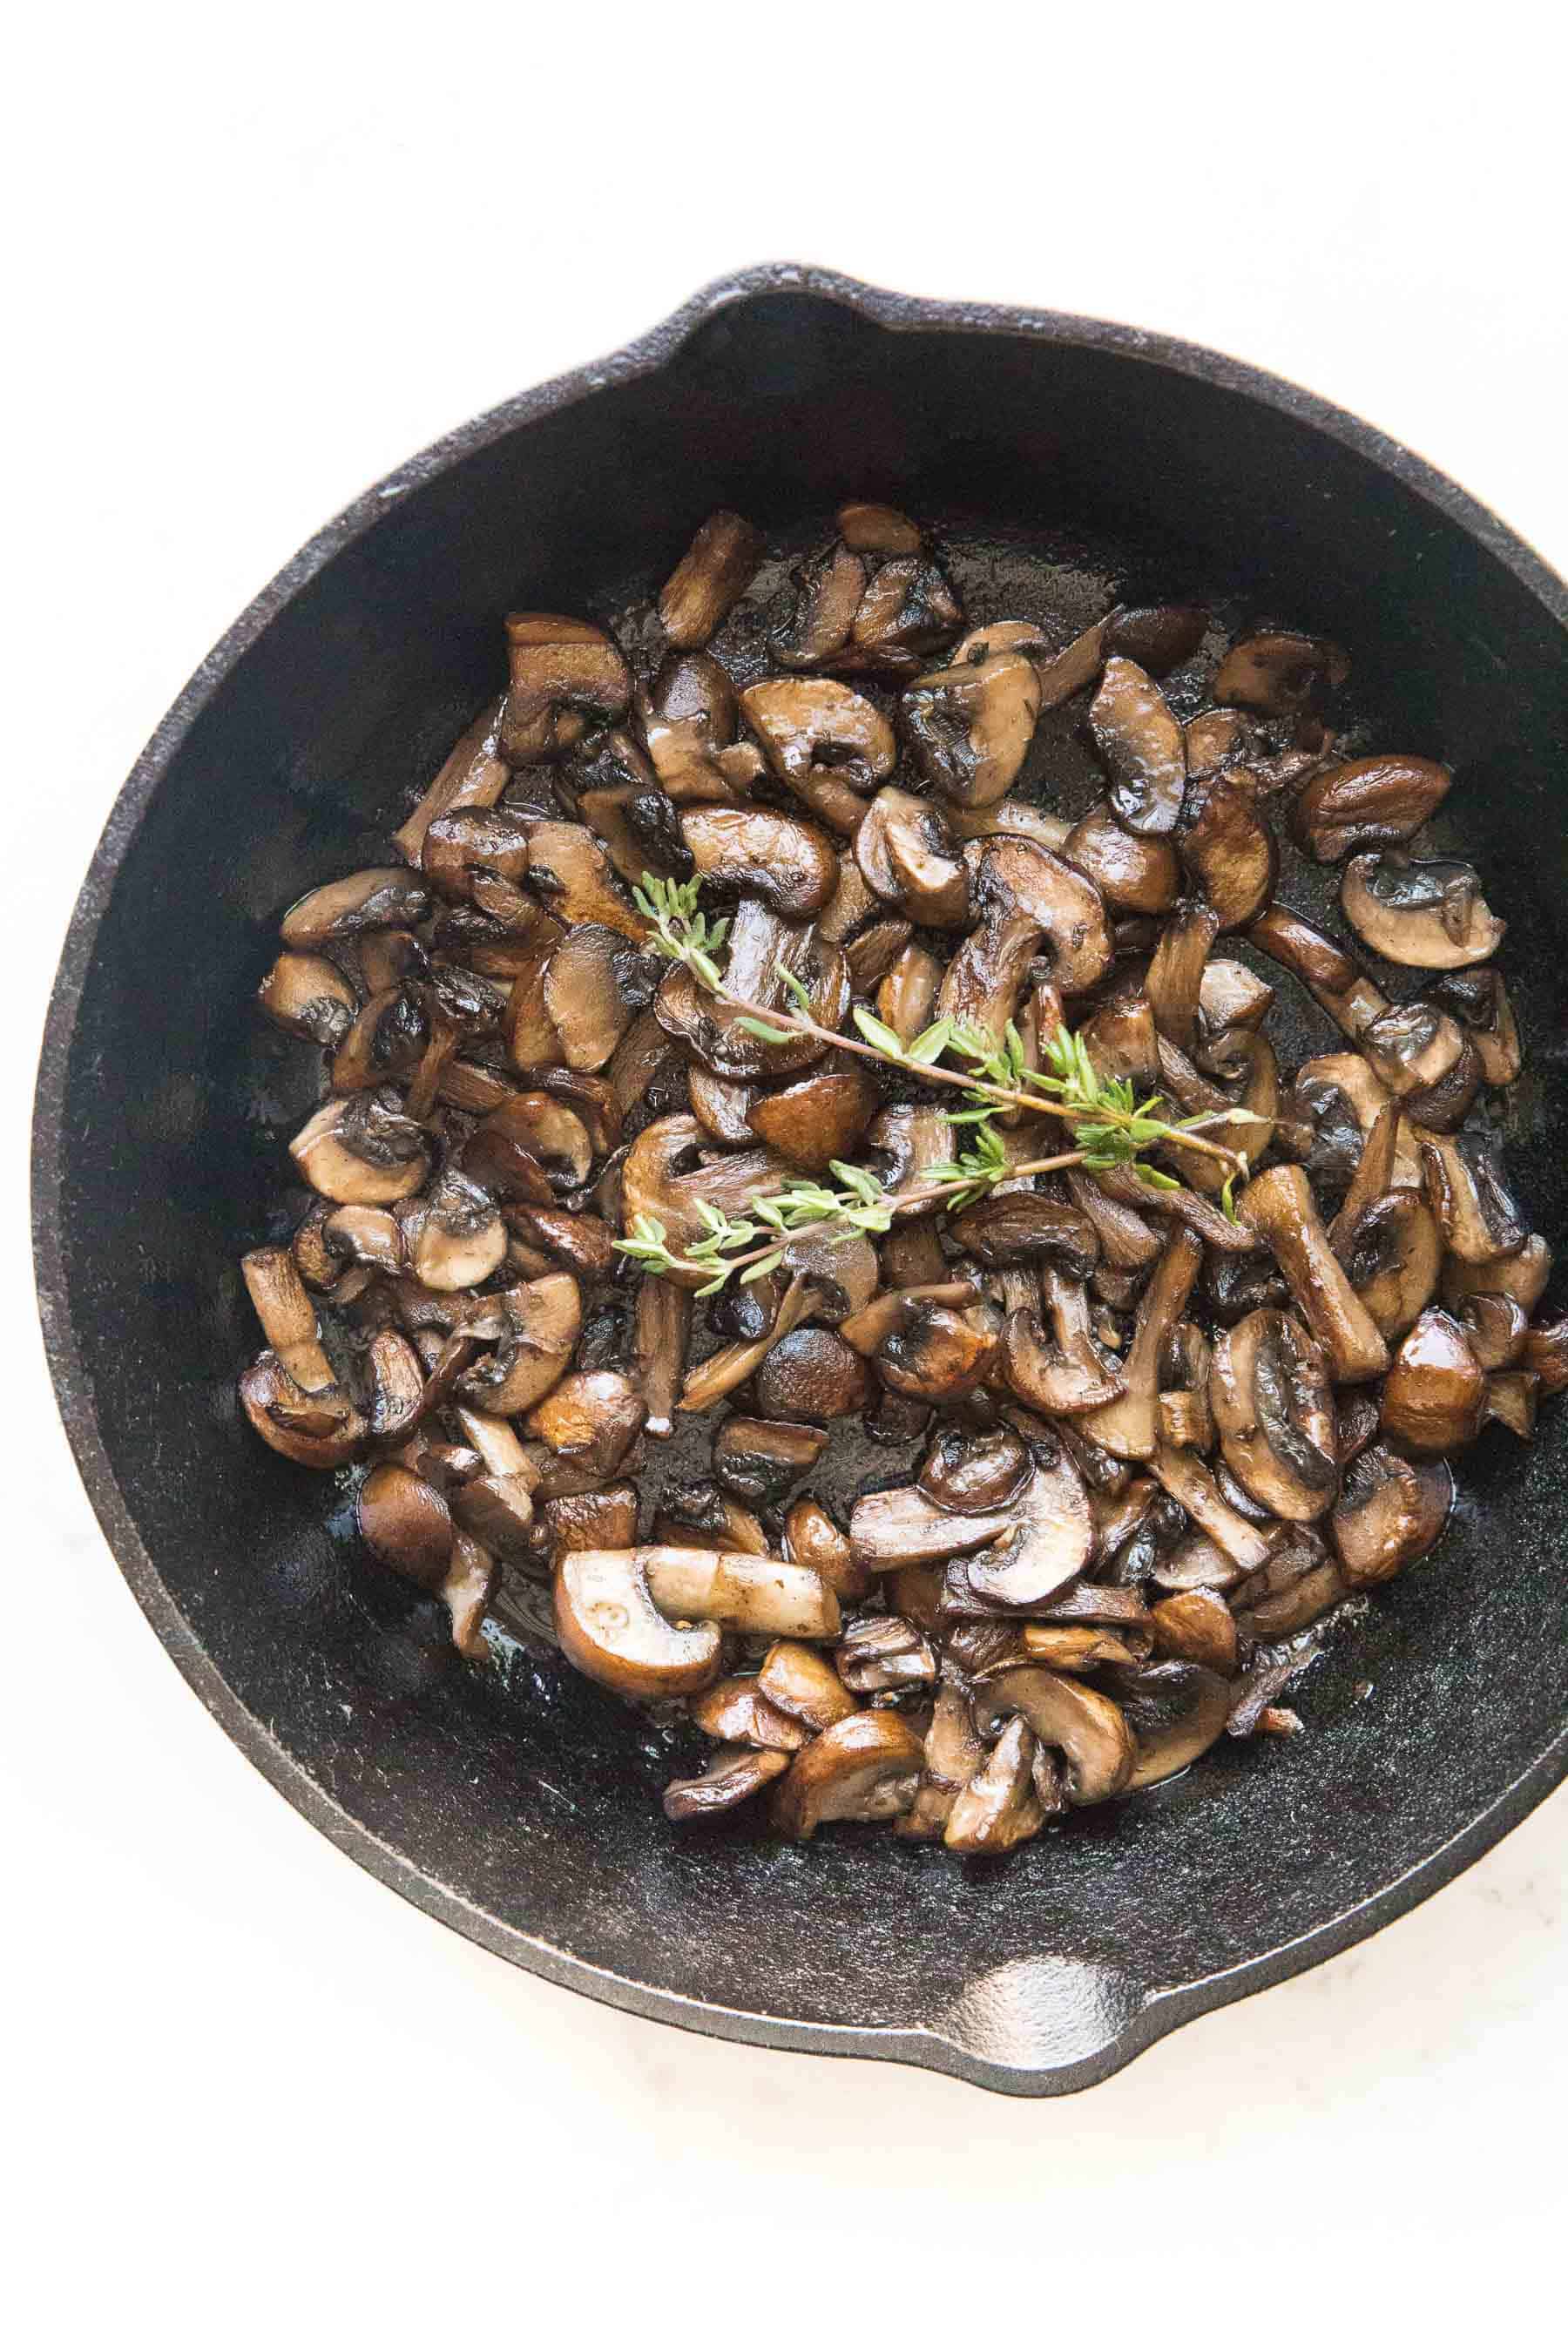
(259, 257)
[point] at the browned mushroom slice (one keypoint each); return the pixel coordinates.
(1278, 672)
(1048, 1542)
(1136, 873)
(1140, 743)
(529, 1149)
(1127, 1241)
(970, 727)
(1478, 1002)
(864, 1768)
(1426, 1060)
(659, 1181)
(907, 854)
(1022, 895)
(1273, 1406)
(819, 610)
(569, 866)
(971, 1472)
(472, 841)
(905, 1000)
(1390, 1513)
(1330, 1118)
(404, 1521)
(818, 1119)
(1278, 1207)
(873, 529)
(953, 1755)
(612, 1630)
(759, 943)
(1229, 850)
(307, 996)
(733, 1775)
(1366, 804)
(758, 1461)
(710, 579)
(884, 1653)
(1469, 1197)
(1497, 1327)
(565, 675)
(361, 1149)
(454, 1238)
(902, 1526)
(592, 994)
(725, 1371)
(318, 1429)
(1513, 1398)
(811, 1375)
(590, 1419)
(1335, 979)
(378, 895)
(1393, 1252)
(937, 1352)
(738, 1709)
(1521, 1274)
(1173, 1711)
(908, 611)
(1232, 1000)
(1291, 1592)
(663, 1331)
(791, 866)
(543, 1322)
(472, 775)
(819, 732)
(1090, 1729)
(701, 1514)
(1128, 1425)
(1012, 1228)
(801, 1684)
(1434, 1399)
(1546, 1354)
(1424, 911)
(1066, 1372)
(1184, 1477)
(1214, 739)
(999, 1808)
(1199, 1627)
(1159, 637)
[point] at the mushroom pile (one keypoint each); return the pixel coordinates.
(1148, 1451)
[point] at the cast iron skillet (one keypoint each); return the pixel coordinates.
(524, 1814)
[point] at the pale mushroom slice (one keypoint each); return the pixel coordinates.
(1478, 1002)
(1428, 912)
(1468, 1194)
(1273, 1407)
(1048, 1543)
(710, 579)
(615, 1632)
(361, 1151)
(970, 727)
(864, 1768)
(1127, 1426)
(1140, 743)
(543, 1320)
(1088, 1728)
(454, 1237)
(1372, 804)
(1175, 1710)
(999, 1807)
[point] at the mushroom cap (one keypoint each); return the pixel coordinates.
(1048, 1543)
(405, 1522)
(1366, 804)
(907, 854)
(1392, 1254)
(805, 723)
(1175, 1710)
(1273, 1405)
(1089, 1728)
(376, 896)
(612, 1630)
(1427, 912)
(782, 860)
(1434, 1399)
(1140, 743)
(1390, 1513)
(970, 727)
(361, 1150)
(733, 1774)
(865, 1767)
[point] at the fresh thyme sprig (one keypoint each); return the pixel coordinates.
(1111, 1128)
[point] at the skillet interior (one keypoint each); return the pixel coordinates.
(521, 1805)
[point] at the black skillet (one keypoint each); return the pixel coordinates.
(521, 1808)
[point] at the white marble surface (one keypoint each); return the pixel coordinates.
(263, 258)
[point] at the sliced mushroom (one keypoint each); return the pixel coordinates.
(531, 1149)
(905, 1000)
(999, 1808)
(1426, 1060)
(1434, 1399)
(1513, 1398)
(657, 1182)
(612, 1629)
(1546, 1354)
(663, 1332)
(970, 727)
(590, 1419)
(1090, 1729)
(1023, 895)
(759, 943)
(907, 854)
(1521, 1274)
(1129, 1425)
(1048, 1542)
(361, 1150)
(593, 992)
(818, 1119)
(1140, 743)
(1067, 1373)
(1273, 1406)
(307, 996)
(1428, 912)
(1229, 849)
(1497, 1327)
(745, 1591)
(908, 611)
(1366, 804)
(818, 611)
(1278, 672)
(404, 1521)
(884, 1653)
(472, 775)
(826, 742)
(802, 1685)
(1173, 1711)
(937, 1352)
(791, 866)
(1198, 1626)
(737, 1709)
(1392, 1251)
(1390, 1513)
(543, 1320)
(1136, 873)
(710, 579)
(864, 1768)
(376, 896)
(564, 675)
(1280, 1208)
(723, 1372)
(902, 1526)
(972, 1472)
(471, 841)
(1478, 1002)
(1335, 979)
(569, 866)
(873, 529)
(1469, 1197)
(454, 1237)
(733, 1775)
(318, 1428)
(1184, 1477)
(758, 1461)
(1013, 1228)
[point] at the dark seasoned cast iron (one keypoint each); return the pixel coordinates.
(523, 1811)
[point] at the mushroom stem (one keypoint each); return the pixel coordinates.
(284, 1310)
(495, 1440)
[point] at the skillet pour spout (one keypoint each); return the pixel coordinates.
(1071, 463)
